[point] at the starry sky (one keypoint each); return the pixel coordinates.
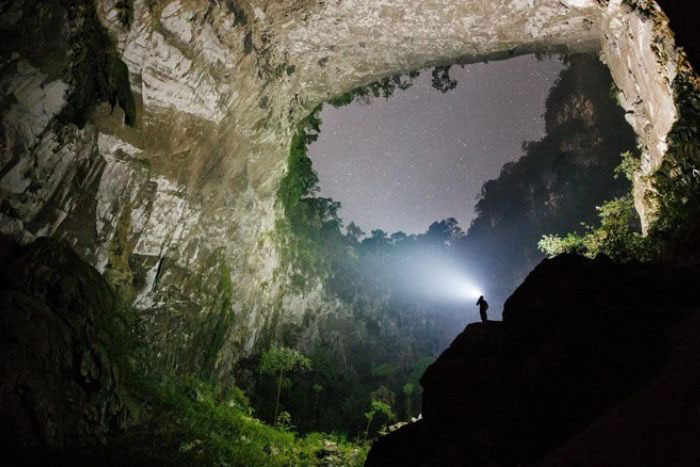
(421, 155)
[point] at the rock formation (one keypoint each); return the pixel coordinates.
(152, 135)
(60, 387)
(595, 363)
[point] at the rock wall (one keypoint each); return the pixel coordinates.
(178, 209)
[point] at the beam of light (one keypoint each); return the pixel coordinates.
(456, 285)
(440, 278)
(469, 290)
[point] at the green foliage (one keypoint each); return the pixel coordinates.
(280, 360)
(677, 181)
(190, 423)
(553, 187)
(384, 395)
(617, 236)
(183, 421)
(442, 81)
(97, 72)
(629, 165)
(361, 272)
(309, 221)
(408, 389)
(385, 333)
(383, 88)
(378, 407)
(385, 370)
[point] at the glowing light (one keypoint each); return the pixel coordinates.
(438, 277)
(471, 291)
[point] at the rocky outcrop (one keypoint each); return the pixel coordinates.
(595, 363)
(60, 384)
(171, 192)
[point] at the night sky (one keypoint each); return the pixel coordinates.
(422, 156)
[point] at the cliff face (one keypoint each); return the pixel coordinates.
(595, 363)
(152, 135)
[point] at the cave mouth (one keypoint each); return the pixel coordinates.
(508, 152)
(408, 294)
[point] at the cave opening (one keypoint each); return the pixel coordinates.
(523, 147)
(456, 221)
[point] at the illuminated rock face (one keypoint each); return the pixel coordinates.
(179, 210)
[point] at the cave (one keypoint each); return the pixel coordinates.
(146, 186)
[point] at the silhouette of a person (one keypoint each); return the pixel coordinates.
(483, 306)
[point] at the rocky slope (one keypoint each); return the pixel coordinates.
(595, 363)
(152, 134)
(60, 387)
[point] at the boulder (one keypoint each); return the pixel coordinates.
(59, 381)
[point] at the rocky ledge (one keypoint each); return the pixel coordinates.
(595, 363)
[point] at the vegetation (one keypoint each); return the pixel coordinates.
(383, 88)
(360, 270)
(676, 199)
(618, 234)
(408, 389)
(676, 182)
(182, 421)
(378, 407)
(309, 220)
(191, 423)
(278, 361)
(442, 81)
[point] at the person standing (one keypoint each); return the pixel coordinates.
(483, 306)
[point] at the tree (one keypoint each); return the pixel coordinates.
(355, 233)
(382, 401)
(408, 390)
(280, 360)
(442, 81)
(375, 408)
(378, 240)
(446, 232)
(318, 389)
